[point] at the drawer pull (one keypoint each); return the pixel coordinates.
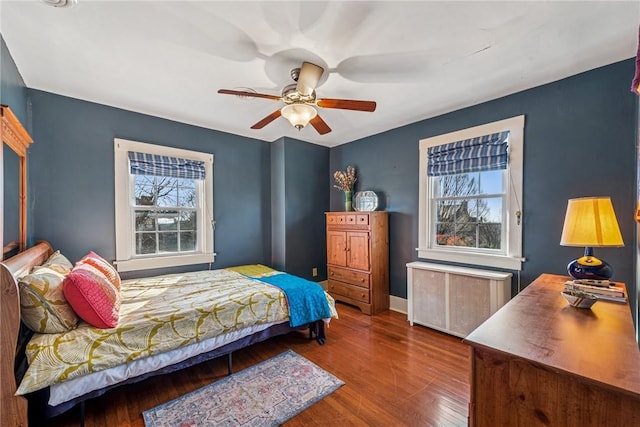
(362, 280)
(362, 295)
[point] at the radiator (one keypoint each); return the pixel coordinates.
(451, 299)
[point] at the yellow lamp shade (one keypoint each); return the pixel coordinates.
(591, 221)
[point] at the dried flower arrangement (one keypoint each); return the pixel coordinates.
(345, 180)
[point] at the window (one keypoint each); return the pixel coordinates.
(470, 194)
(164, 206)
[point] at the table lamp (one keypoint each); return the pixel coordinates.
(590, 222)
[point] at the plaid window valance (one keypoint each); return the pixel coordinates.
(152, 164)
(483, 153)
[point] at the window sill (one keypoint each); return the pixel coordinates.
(163, 261)
(485, 260)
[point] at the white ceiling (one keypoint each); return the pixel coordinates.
(416, 59)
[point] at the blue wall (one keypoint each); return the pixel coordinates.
(13, 93)
(579, 141)
(269, 199)
(278, 206)
(72, 178)
(300, 198)
(306, 200)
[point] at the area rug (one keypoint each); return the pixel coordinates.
(267, 394)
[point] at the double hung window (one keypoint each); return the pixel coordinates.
(164, 206)
(470, 193)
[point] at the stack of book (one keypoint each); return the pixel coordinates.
(603, 289)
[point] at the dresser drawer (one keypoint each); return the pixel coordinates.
(349, 276)
(333, 219)
(350, 291)
(362, 219)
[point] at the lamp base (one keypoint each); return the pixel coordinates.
(589, 267)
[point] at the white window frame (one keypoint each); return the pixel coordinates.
(126, 258)
(511, 256)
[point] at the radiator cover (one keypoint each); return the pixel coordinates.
(452, 299)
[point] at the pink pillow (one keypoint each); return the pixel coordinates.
(92, 296)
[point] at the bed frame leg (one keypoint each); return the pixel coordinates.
(318, 327)
(82, 413)
(229, 363)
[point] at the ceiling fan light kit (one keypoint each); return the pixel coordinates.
(301, 102)
(299, 115)
(60, 3)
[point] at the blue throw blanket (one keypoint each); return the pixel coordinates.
(307, 300)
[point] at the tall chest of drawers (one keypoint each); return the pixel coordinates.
(358, 259)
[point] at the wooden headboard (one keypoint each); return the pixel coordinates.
(13, 410)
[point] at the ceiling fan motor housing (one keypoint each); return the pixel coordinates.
(290, 95)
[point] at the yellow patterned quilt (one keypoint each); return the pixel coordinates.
(157, 314)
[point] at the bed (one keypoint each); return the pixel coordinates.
(165, 323)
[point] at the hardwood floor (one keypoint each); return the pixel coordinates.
(395, 375)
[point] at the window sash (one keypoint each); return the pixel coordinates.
(134, 207)
(157, 231)
(437, 197)
(476, 224)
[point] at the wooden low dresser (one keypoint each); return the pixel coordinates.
(540, 362)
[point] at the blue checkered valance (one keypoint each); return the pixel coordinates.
(483, 153)
(152, 164)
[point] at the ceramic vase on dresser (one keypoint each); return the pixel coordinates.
(348, 201)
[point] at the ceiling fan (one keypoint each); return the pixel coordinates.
(300, 100)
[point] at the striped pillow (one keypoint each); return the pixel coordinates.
(43, 306)
(103, 266)
(93, 296)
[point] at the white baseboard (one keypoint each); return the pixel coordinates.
(398, 304)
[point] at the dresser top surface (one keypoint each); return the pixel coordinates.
(538, 325)
(357, 213)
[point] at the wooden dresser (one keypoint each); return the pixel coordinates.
(539, 361)
(358, 259)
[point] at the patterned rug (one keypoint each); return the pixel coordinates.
(267, 394)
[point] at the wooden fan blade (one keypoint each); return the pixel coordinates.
(347, 104)
(249, 94)
(309, 77)
(271, 117)
(320, 125)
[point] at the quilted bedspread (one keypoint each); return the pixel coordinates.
(157, 314)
